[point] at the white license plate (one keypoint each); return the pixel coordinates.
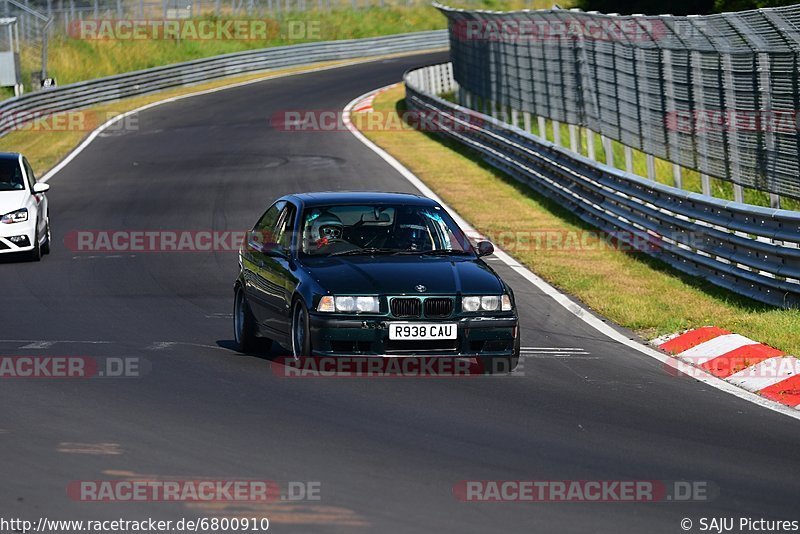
(422, 331)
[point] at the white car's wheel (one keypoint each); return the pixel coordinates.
(36, 253)
(46, 244)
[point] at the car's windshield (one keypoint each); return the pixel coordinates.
(381, 229)
(11, 176)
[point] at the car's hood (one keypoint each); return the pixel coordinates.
(397, 275)
(12, 201)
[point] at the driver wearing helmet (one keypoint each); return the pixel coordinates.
(325, 229)
(412, 233)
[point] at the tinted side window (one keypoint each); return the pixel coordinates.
(268, 221)
(263, 231)
(285, 227)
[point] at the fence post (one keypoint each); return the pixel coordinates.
(628, 159)
(651, 167)
(677, 176)
(608, 148)
(705, 183)
(573, 138)
(542, 127)
(556, 132)
(738, 193)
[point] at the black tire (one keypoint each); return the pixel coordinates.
(46, 245)
(501, 365)
(36, 253)
(243, 324)
(301, 338)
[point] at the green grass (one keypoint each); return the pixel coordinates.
(629, 288)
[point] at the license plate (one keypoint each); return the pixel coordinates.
(422, 331)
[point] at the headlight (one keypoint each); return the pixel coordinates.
(486, 303)
(15, 216)
(349, 304)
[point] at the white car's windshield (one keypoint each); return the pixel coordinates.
(11, 178)
(391, 229)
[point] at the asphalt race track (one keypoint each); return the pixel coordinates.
(387, 452)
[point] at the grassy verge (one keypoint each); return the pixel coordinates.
(44, 148)
(629, 288)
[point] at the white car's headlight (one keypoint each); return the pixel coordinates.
(348, 304)
(15, 216)
(486, 303)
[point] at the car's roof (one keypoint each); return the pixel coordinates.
(327, 198)
(9, 155)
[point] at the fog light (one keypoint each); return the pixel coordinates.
(17, 239)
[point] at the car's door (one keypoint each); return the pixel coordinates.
(279, 270)
(39, 198)
(254, 259)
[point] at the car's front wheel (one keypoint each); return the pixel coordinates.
(243, 324)
(46, 244)
(301, 338)
(36, 253)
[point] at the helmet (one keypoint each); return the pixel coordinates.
(324, 227)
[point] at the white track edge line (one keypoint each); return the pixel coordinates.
(97, 131)
(551, 291)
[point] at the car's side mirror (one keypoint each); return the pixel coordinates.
(41, 188)
(485, 248)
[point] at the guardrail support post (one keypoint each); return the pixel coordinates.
(542, 127)
(514, 117)
(774, 201)
(573, 138)
(590, 144)
(526, 120)
(651, 167)
(628, 159)
(705, 182)
(738, 193)
(557, 132)
(608, 148)
(677, 176)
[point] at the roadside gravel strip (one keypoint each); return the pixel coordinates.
(364, 102)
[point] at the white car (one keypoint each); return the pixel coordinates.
(24, 217)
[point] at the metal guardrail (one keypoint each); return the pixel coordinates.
(749, 250)
(16, 111)
(717, 93)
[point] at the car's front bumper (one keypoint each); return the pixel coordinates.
(17, 237)
(363, 336)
